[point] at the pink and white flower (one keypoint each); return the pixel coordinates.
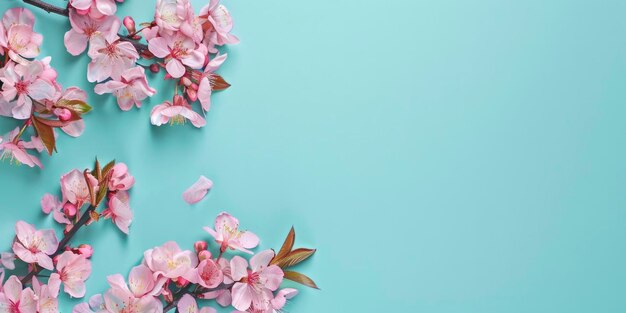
(96, 9)
(46, 296)
(131, 88)
(51, 204)
(120, 178)
(24, 83)
(176, 113)
(206, 87)
(109, 58)
(16, 151)
(228, 235)
(7, 260)
(14, 299)
(95, 305)
(75, 189)
(35, 246)
(178, 50)
(170, 14)
(221, 24)
(188, 304)
(84, 28)
(121, 299)
(208, 274)
(119, 211)
(17, 35)
(170, 261)
(74, 269)
(254, 287)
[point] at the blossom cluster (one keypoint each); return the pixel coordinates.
(30, 92)
(69, 266)
(179, 41)
(172, 278)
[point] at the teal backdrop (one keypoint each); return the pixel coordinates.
(443, 156)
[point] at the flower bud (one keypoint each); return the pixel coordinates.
(85, 250)
(181, 282)
(63, 114)
(186, 81)
(194, 86)
(154, 68)
(204, 255)
(200, 246)
(129, 23)
(192, 94)
(69, 210)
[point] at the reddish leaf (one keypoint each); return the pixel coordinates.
(107, 168)
(295, 257)
(92, 195)
(97, 171)
(52, 123)
(45, 133)
(301, 279)
(287, 246)
(218, 82)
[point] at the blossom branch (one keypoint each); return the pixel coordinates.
(185, 290)
(63, 243)
(50, 8)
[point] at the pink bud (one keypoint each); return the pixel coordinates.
(181, 282)
(204, 255)
(85, 250)
(69, 210)
(200, 246)
(186, 81)
(154, 68)
(63, 114)
(192, 94)
(129, 23)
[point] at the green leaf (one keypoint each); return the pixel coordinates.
(45, 133)
(301, 279)
(78, 106)
(107, 168)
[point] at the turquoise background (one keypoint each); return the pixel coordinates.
(444, 156)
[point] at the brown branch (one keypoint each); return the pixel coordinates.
(66, 239)
(185, 290)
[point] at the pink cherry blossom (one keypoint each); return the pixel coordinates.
(7, 260)
(170, 261)
(198, 190)
(219, 18)
(95, 305)
(109, 58)
(170, 14)
(35, 246)
(121, 299)
(51, 204)
(75, 189)
(46, 296)
(84, 28)
(14, 299)
(120, 178)
(17, 35)
(208, 274)
(178, 50)
(9, 149)
(254, 287)
(22, 84)
(131, 88)
(96, 9)
(188, 304)
(74, 128)
(176, 113)
(228, 235)
(119, 211)
(73, 269)
(206, 87)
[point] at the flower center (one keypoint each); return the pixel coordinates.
(21, 87)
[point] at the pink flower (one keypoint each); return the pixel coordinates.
(96, 9)
(74, 128)
(176, 113)
(198, 190)
(208, 274)
(131, 88)
(75, 189)
(170, 14)
(222, 23)
(15, 300)
(119, 211)
(35, 246)
(206, 87)
(227, 234)
(84, 28)
(95, 305)
(254, 288)
(187, 304)
(73, 269)
(17, 35)
(121, 299)
(22, 84)
(17, 151)
(109, 59)
(120, 178)
(178, 50)
(47, 295)
(51, 204)
(7, 260)
(170, 261)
